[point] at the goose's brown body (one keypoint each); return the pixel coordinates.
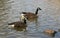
(31, 16)
(50, 32)
(18, 24)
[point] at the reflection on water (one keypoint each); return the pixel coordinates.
(49, 17)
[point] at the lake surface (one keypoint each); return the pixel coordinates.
(49, 18)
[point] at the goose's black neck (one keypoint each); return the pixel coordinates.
(37, 10)
(24, 21)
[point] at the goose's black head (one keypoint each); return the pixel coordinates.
(39, 8)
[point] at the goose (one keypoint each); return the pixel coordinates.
(30, 16)
(50, 32)
(18, 25)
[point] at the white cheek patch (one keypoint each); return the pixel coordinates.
(22, 16)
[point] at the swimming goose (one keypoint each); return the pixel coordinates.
(30, 16)
(18, 24)
(50, 32)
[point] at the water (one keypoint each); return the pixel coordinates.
(49, 17)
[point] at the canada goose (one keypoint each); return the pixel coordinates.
(18, 25)
(30, 16)
(50, 32)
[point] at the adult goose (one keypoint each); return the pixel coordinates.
(30, 16)
(19, 25)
